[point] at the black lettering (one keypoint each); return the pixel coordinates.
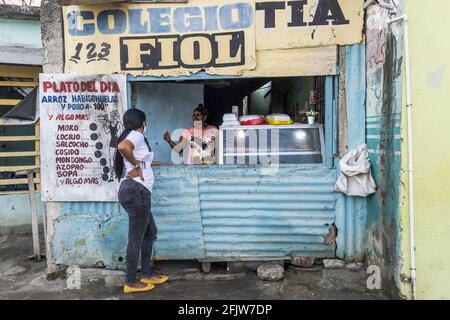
(150, 56)
(197, 50)
(269, 11)
(297, 13)
(237, 47)
(329, 10)
(151, 51)
(197, 53)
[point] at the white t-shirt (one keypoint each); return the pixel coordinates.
(142, 154)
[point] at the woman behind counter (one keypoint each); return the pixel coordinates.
(132, 165)
(202, 144)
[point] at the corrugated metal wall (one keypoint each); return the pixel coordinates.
(251, 215)
(219, 213)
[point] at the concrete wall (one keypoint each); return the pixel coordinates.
(383, 99)
(20, 33)
(430, 70)
(52, 37)
(52, 40)
(15, 213)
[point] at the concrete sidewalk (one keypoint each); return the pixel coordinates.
(22, 278)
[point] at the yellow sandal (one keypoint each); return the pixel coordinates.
(161, 281)
(128, 289)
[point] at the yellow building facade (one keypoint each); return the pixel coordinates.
(429, 25)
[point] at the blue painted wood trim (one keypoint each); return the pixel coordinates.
(335, 117)
(195, 76)
(129, 94)
(329, 121)
(354, 223)
(355, 88)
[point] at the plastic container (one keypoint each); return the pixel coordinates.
(229, 117)
(251, 120)
(278, 119)
(230, 123)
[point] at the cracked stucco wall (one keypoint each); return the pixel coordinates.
(384, 85)
(53, 42)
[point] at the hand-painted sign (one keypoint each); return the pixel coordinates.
(308, 23)
(218, 36)
(161, 39)
(82, 120)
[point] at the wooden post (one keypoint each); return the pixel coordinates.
(34, 219)
(33, 210)
(44, 224)
(37, 148)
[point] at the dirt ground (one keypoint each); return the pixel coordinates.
(22, 278)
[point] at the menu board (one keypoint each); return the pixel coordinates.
(81, 120)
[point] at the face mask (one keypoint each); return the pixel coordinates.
(145, 129)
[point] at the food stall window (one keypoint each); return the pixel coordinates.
(264, 144)
(283, 104)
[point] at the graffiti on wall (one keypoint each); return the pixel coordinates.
(384, 101)
(377, 38)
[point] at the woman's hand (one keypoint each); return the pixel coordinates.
(167, 136)
(136, 172)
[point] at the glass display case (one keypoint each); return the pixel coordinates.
(266, 144)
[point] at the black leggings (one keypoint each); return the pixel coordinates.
(136, 200)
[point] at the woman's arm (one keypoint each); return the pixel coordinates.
(126, 150)
(159, 164)
(171, 143)
(169, 139)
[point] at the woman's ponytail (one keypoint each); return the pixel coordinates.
(118, 158)
(132, 119)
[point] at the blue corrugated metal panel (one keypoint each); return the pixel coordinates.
(176, 209)
(351, 218)
(355, 85)
(219, 213)
(246, 214)
(88, 232)
(85, 240)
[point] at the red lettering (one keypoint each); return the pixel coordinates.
(116, 87)
(46, 85)
(103, 86)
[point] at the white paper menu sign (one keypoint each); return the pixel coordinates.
(81, 120)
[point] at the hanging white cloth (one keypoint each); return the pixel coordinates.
(356, 176)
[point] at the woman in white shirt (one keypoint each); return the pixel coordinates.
(133, 167)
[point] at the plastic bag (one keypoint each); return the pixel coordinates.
(356, 176)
